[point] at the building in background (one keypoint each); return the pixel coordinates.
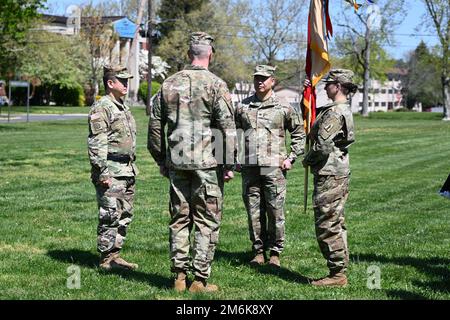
(120, 52)
(383, 96)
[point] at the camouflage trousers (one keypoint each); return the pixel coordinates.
(264, 193)
(329, 197)
(115, 213)
(195, 200)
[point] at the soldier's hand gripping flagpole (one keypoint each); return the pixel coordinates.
(317, 65)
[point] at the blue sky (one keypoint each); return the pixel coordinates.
(404, 42)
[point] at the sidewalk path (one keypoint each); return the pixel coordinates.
(40, 117)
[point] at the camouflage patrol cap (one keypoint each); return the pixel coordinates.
(264, 70)
(340, 75)
(117, 71)
(201, 38)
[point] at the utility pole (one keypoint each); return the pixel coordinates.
(149, 44)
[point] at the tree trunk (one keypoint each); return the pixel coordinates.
(149, 75)
(444, 76)
(365, 108)
(446, 96)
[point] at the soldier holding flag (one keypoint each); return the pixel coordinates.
(331, 135)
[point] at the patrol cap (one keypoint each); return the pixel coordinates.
(117, 71)
(264, 70)
(340, 75)
(201, 38)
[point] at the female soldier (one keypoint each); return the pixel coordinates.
(331, 135)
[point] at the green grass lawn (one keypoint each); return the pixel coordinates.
(396, 220)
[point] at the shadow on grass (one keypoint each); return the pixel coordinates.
(243, 258)
(90, 260)
(405, 295)
(10, 127)
(436, 268)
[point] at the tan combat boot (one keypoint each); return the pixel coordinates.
(200, 285)
(258, 260)
(180, 282)
(113, 260)
(333, 280)
(274, 259)
(105, 260)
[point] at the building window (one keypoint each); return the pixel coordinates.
(390, 91)
(383, 90)
(377, 104)
(383, 104)
(390, 105)
(360, 104)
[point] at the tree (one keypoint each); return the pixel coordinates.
(52, 60)
(16, 17)
(422, 82)
(172, 11)
(221, 19)
(100, 39)
(366, 31)
(272, 28)
(438, 14)
(380, 61)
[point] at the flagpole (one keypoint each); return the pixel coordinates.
(305, 188)
(317, 64)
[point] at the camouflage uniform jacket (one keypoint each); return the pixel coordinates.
(112, 139)
(331, 135)
(265, 124)
(195, 105)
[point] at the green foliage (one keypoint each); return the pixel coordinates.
(172, 10)
(64, 96)
(402, 110)
(395, 220)
(290, 72)
(55, 60)
(423, 83)
(16, 17)
(143, 90)
(380, 61)
(211, 18)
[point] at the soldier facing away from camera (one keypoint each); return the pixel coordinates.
(265, 120)
(196, 107)
(112, 147)
(331, 135)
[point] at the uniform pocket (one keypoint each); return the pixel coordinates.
(213, 190)
(120, 126)
(249, 121)
(117, 189)
(213, 200)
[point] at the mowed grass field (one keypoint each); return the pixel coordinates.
(397, 223)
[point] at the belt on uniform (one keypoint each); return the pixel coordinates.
(122, 158)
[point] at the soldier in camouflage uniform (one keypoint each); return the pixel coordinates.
(264, 120)
(196, 106)
(331, 135)
(112, 147)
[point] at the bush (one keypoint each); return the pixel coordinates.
(64, 96)
(403, 110)
(142, 93)
(19, 96)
